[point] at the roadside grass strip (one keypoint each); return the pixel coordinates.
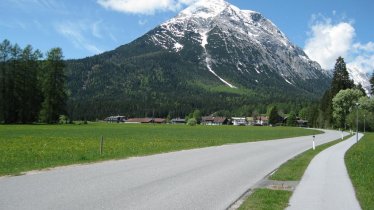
(360, 165)
(265, 199)
(34, 147)
(273, 197)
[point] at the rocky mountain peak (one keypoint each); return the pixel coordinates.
(211, 55)
(204, 9)
(243, 40)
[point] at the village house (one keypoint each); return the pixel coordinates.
(146, 120)
(115, 119)
(178, 121)
(159, 120)
(302, 123)
(262, 121)
(209, 120)
(139, 120)
(239, 121)
(250, 120)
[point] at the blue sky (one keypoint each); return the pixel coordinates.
(87, 27)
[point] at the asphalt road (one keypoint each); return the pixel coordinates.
(326, 184)
(208, 178)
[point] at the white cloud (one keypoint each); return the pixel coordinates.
(369, 47)
(75, 33)
(362, 57)
(328, 41)
(147, 7)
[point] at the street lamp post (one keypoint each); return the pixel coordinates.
(357, 122)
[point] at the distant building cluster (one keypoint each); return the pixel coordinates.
(206, 120)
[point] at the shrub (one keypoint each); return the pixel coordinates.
(192, 122)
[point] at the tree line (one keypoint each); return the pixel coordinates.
(340, 103)
(32, 89)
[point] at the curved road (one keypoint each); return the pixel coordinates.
(208, 178)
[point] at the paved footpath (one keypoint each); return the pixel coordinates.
(326, 184)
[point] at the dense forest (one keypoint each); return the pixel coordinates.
(34, 89)
(31, 89)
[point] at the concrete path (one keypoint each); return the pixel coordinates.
(326, 184)
(208, 178)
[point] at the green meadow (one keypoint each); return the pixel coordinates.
(30, 147)
(360, 164)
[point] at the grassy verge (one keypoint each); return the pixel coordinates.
(265, 199)
(292, 170)
(29, 147)
(360, 164)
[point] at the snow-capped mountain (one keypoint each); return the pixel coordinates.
(212, 56)
(248, 43)
(359, 77)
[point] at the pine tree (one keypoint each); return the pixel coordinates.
(30, 93)
(291, 120)
(326, 108)
(5, 48)
(372, 84)
(13, 86)
(340, 80)
(273, 116)
(53, 87)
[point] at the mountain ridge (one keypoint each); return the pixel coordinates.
(210, 56)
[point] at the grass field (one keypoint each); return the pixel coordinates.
(29, 147)
(360, 164)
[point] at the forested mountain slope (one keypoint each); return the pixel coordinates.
(212, 56)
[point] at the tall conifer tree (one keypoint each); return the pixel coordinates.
(5, 48)
(30, 93)
(13, 85)
(372, 84)
(53, 87)
(340, 80)
(273, 116)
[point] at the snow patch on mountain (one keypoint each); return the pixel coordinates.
(204, 9)
(242, 40)
(204, 42)
(204, 39)
(178, 47)
(208, 65)
(359, 77)
(288, 81)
